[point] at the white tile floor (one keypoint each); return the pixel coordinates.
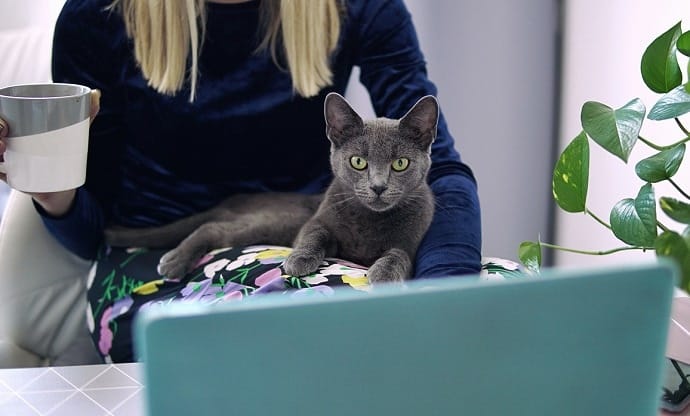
(68, 391)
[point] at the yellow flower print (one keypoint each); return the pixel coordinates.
(148, 288)
(360, 282)
(274, 253)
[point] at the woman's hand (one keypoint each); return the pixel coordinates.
(54, 203)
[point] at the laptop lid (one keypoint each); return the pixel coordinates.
(567, 342)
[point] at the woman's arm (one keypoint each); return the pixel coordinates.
(394, 72)
(88, 50)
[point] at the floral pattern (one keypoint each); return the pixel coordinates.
(125, 281)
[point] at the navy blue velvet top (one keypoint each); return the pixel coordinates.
(154, 158)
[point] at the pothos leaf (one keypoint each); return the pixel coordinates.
(614, 130)
(633, 221)
(662, 165)
(529, 254)
(571, 175)
(683, 44)
(677, 210)
(660, 70)
(671, 105)
(671, 245)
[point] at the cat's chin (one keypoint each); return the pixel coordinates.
(379, 205)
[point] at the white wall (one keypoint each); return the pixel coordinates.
(494, 62)
(603, 45)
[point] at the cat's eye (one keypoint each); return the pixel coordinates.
(358, 163)
(400, 164)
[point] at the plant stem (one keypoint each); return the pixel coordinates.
(675, 185)
(650, 144)
(662, 226)
(599, 220)
(594, 253)
(679, 371)
(661, 148)
(687, 133)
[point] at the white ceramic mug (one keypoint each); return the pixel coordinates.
(48, 137)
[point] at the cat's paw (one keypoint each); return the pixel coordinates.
(380, 272)
(174, 265)
(300, 263)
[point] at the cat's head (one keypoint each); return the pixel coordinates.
(384, 161)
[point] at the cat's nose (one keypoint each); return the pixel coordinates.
(378, 189)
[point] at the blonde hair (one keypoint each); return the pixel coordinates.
(166, 33)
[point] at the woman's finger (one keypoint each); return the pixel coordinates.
(95, 104)
(3, 130)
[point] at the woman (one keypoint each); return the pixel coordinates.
(204, 99)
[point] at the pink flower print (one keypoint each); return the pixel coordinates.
(209, 256)
(269, 276)
(231, 292)
(270, 281)
(233, 296)
(204, 260)
(105, 342)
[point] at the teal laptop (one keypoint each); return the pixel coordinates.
(585, 342)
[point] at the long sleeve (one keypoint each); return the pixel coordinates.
(85, 52)
(394, 71)
(80, 229)
(452, 243)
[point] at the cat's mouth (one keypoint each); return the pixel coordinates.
(379, 203)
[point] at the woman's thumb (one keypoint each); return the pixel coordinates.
(95, 104)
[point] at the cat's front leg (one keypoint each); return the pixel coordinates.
(394, 265)
(182, 259)
(310, 249)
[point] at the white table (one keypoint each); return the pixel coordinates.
(70, 391)
(91, 390)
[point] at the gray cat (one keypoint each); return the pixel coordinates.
(375, 212)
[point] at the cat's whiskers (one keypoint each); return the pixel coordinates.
(341, 204)
(414, 196)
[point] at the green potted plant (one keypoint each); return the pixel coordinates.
(644, 221)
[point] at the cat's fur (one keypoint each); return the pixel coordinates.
(375, 215)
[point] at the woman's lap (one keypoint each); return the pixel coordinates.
(125, 281)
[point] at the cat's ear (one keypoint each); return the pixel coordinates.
(342, 122)
(422, 119)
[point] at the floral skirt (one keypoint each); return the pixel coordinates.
(124, 281)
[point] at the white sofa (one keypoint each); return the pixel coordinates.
(42, 294)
